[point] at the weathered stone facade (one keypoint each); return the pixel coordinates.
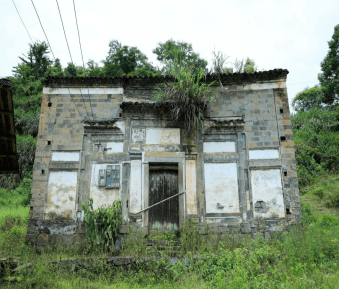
(237, 173)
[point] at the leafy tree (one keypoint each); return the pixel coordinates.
(329, 78)
(125, 60)
(308, 99)
(36, 63)
(33, 68)
(316, 139)
(56, 69)
(74, 71)
(175, 52)
(93, 69)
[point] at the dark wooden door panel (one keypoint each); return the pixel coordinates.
(163, 184)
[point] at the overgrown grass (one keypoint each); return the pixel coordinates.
(306, 257)
(14, 209)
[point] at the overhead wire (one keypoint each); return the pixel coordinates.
(83, 63)
(54, 60)
(32, 41)
(70, 54)
(43, 28)
(22, 21)
(63, 27)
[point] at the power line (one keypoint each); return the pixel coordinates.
(69, 53)
(76, 19)
(43, 29)
(54, 58)
(64, 31)
(83, 63)
(22, 21)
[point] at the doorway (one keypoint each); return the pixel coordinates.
(163, 183)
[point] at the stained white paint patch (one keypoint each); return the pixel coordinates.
(191, 187)
(65, 156)
(116, 147)
(100, 195)
(135, 187)
(264, 154)
(265, 86)
(84, 91)
(121, 126)
(61, 194)
(221, 186)
(267, 189)
(215, 147)
(162, 136)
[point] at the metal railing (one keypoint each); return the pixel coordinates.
(160, 202)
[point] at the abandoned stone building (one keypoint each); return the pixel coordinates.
(106, 139)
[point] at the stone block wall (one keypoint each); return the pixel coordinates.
(88, 124)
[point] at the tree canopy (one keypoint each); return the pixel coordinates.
(125, 60)
(308, 99)
(329, 77)
(36, 63)
(171, 52)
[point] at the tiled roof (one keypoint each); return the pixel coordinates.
(5, 82)
(51, 81)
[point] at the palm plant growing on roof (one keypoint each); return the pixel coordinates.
(187, 96)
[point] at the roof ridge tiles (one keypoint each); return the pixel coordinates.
(226, 77)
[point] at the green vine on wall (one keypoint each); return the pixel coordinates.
(102, 225)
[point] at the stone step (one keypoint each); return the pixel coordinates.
(163, 243)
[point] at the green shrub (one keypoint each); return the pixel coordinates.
(102, 225)
(306, 212)
(316, 137)
(328, 221)
(17, 197)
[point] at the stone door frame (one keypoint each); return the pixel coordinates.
(163, 157)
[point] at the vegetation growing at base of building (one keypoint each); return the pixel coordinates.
(306, 257)
(102, 225)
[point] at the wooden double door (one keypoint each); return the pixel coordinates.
(163, 181)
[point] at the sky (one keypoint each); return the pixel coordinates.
(285, 34)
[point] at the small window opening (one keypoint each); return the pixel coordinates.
(49, 104)
(285, 173)
(49, 142)
(42, 171)
(120, 114)
(281, 111)
(282, 138)
(288, 211)
(127, 203)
